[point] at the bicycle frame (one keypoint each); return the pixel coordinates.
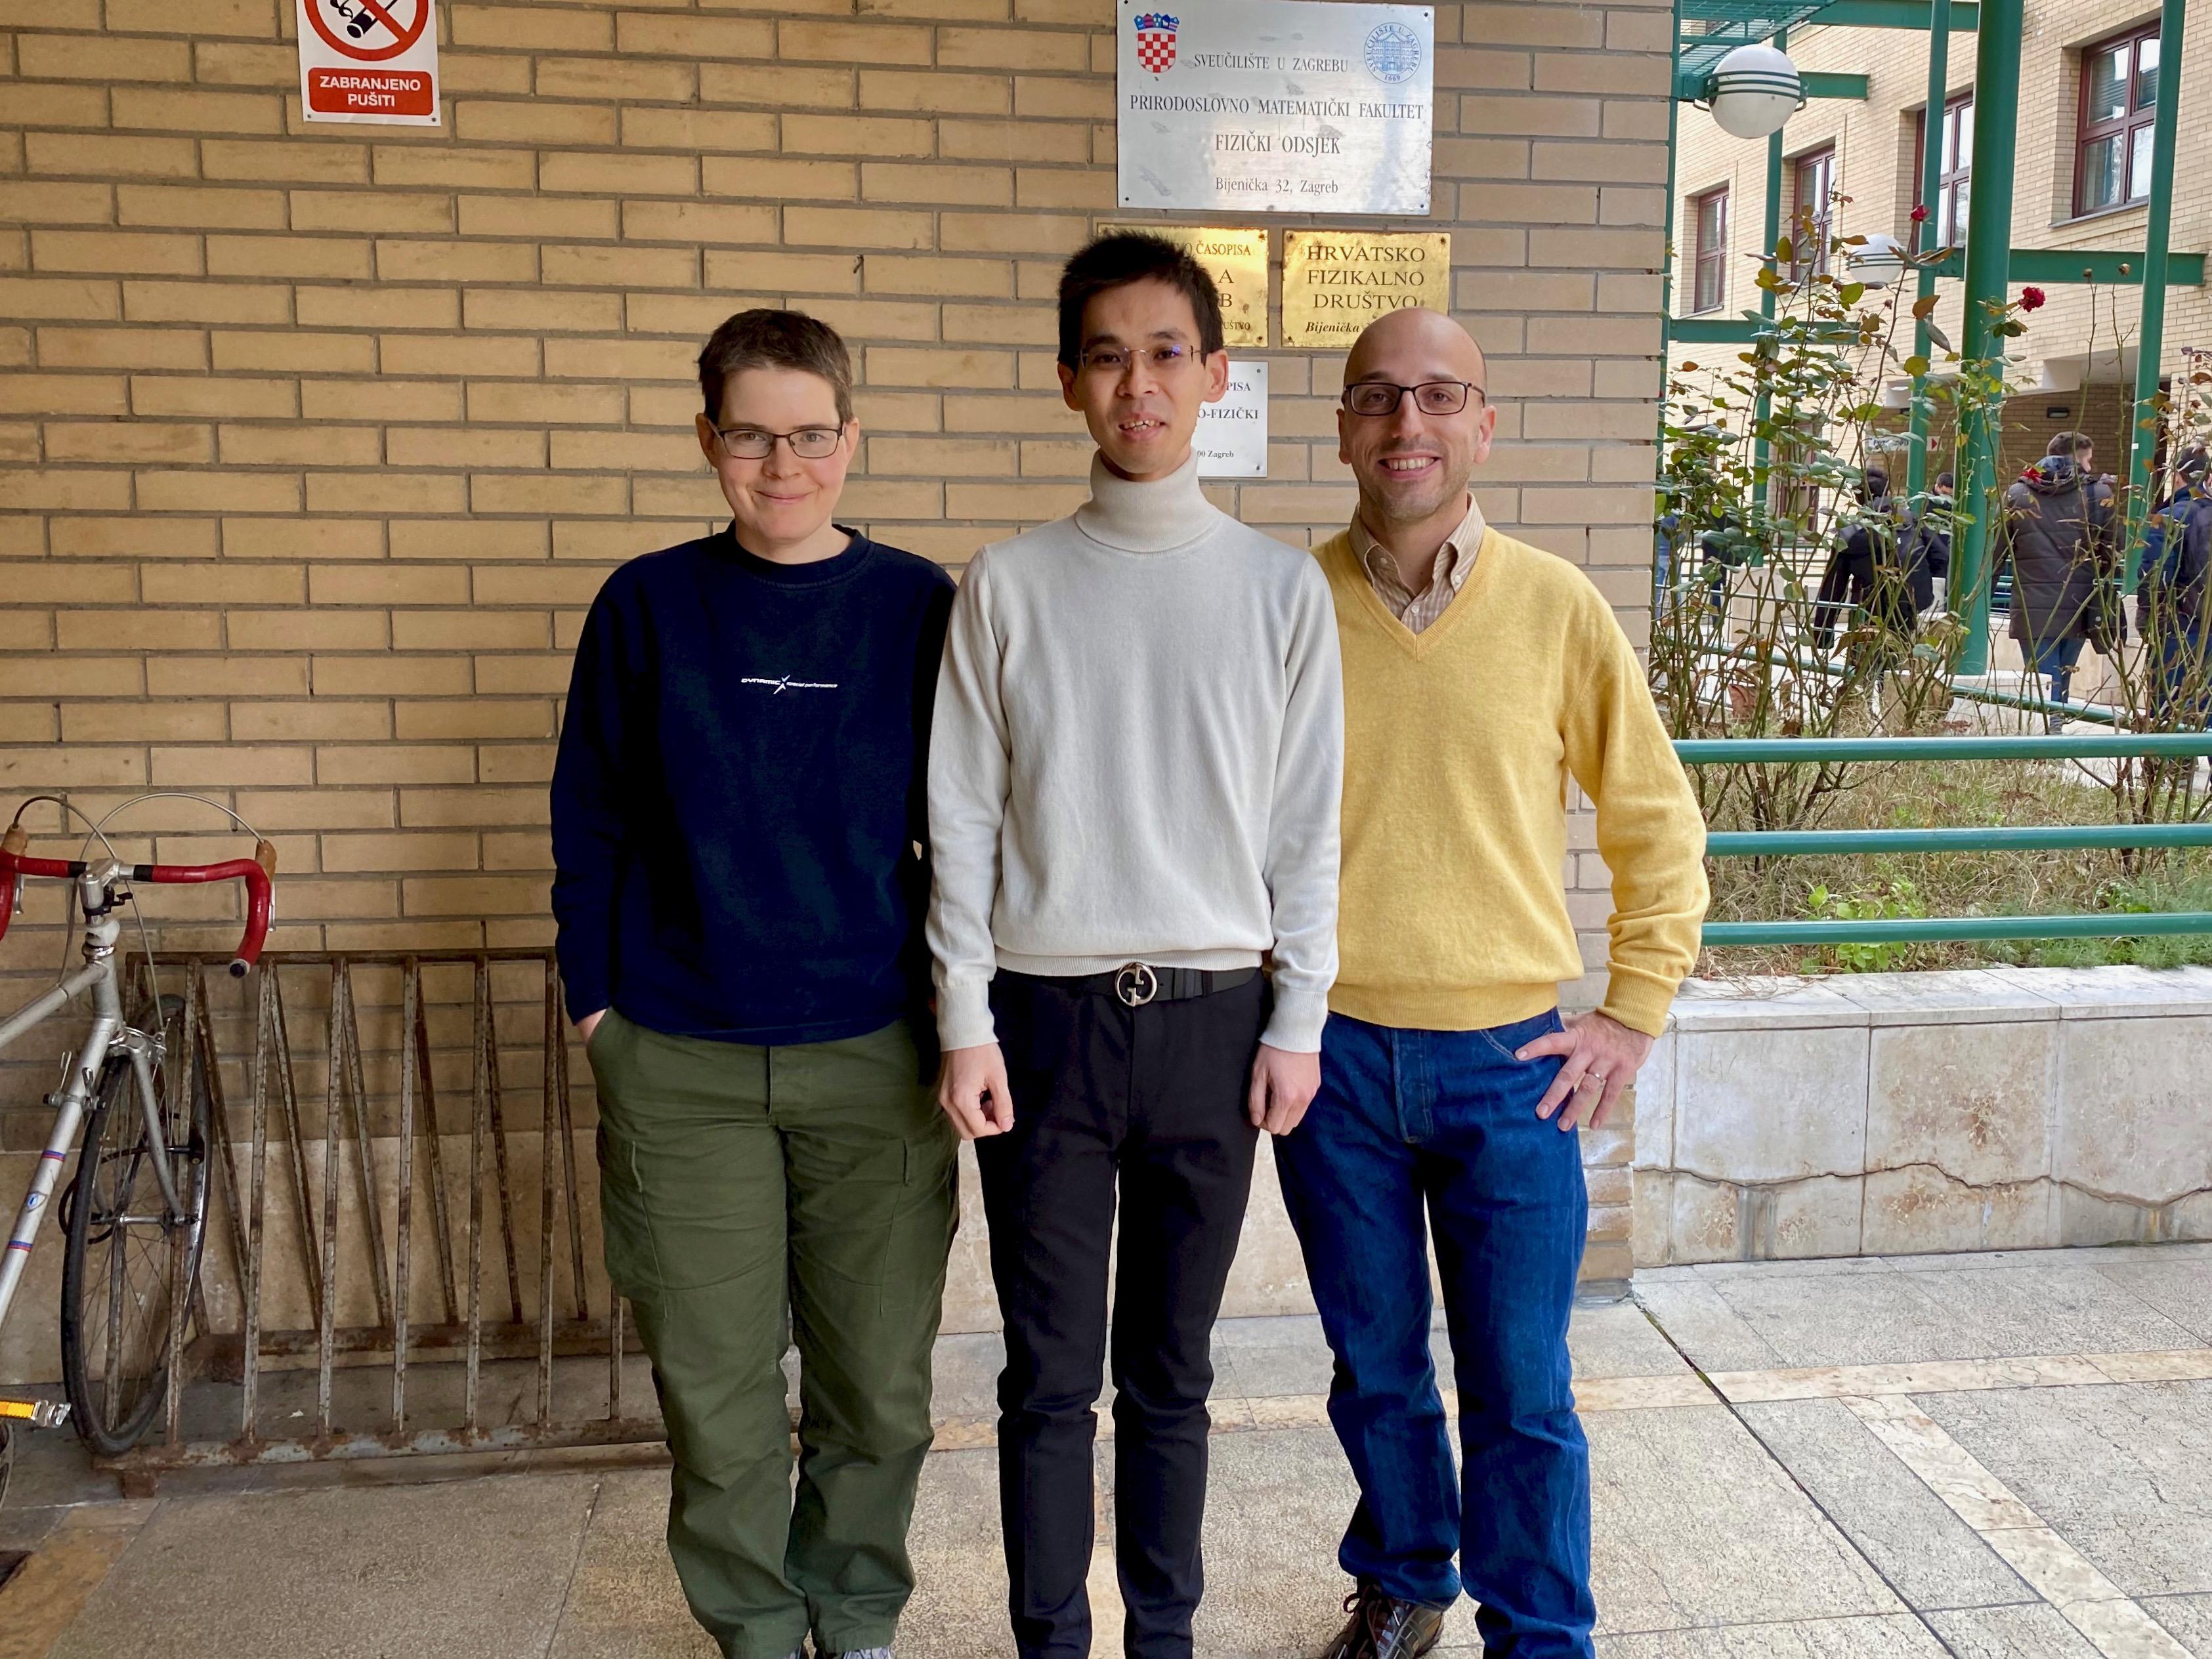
(82, 1073)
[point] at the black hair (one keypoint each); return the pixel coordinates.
(1126, 257)
(764, 338)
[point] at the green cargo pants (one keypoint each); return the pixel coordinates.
(751, 1195)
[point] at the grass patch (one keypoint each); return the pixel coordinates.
(1970, 793)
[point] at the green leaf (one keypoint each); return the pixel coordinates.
(1851, 293)
(1914, 364)
(1924, 307)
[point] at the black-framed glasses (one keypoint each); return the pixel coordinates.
(809, 443)
(1115, 360)
(1431, 397)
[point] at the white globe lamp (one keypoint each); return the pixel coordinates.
(1879, 262)
(1754, 91)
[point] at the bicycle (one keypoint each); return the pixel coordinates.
(139, 1195)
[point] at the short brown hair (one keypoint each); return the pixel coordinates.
(1126, 257)
(764, 338)
(2070, 443)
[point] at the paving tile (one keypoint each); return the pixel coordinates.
(371, 1571)
(1276, 1505)
(623, 1600)
(1892, 1636)
(2122, 1472)
(959, 1605)
(1715, 1336)
(2034, 1631)
(2181, 1289)
(1948, 997)
(1676, 1546)
(1617, 1339)
(2190, 1619)
(965, 1377)
(1930, 1556)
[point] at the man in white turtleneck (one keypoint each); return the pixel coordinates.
(1133, 785)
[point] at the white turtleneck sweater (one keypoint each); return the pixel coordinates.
(1138, 756)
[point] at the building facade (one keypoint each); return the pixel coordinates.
(2090, 78)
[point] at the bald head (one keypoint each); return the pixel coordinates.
(1415, 335)
(1414, 455)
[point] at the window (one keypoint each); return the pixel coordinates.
(1815, 208)
(1711, 214)
(2119, 106)
(1956, 167)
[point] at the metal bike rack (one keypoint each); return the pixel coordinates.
(231, 1335)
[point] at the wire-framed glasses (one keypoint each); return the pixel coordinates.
(1431, 397)
(752, 443)
(1115, 360)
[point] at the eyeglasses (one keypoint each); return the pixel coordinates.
(1115, 360)
(809, 443)
(1431, 397)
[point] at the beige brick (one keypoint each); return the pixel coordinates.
(931, 94)
(467, 630)
(858, 227)
(589, 266)
(517, 851)
(394, 763)
(97, 58)
(472, 539)
(1056, 98)
(535, 217)
(28, 202)
(142, 722)
(166, 110)
(402, 166)
(135, 538)
(1602, 72)
(412, 675)
(968, 185)
(63, 394)
(422, 720)
(692, 37)
(240, 17)
(692, 498)
(82, 106)
(489, 493)
(127, 252)
(1572, 118)
(117, 630)
(294, 352)
(627, 175)
(327, 257)
(796, 87)
(857, 135)
(905, 365)
(244, 64)
(587, 406)
(289, 161)
(306, 630)
(890, 273)
(602, 78)
(388, 585)
(525, 309)
(49, 675)
(218, 492)
(33, 296)
(546, 672)
(414, 850)
(404, 353)
(990, 11)
(316, 809)
(752, 270)
(474, 895)
(966, 457)
(386, 492)
(456, 261)
(650, 452)
(778, 181)
(138, 441)
(696, 130)
(682, 221)
(410, 307)
(534, 585)
(64, 491)
(197, 676)
(219, 582)
(533, 28)
(50, 15)
(537, 122)
(194, 394)
(205, 302)
(198, 208)
(852, 43)
(302, 446)
(619, 359)
(436, 446)
(1011, 48)
(313, 538)
(1060, 187)
(363, 211)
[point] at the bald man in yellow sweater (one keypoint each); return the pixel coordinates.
(1480, 675)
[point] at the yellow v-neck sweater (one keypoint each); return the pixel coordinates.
(1458, 744)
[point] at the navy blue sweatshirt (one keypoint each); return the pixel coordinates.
(740, 792)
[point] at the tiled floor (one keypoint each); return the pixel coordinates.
(1992, 1457)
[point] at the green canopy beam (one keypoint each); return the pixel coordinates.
(1933, 126)
(2106, 267)
(2158, 269)
(1892, 14)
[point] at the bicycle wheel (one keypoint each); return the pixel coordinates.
(116, 1271)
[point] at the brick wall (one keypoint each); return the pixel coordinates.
(315, 442)
(1877, 164)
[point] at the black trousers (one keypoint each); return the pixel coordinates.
(1153, 1098)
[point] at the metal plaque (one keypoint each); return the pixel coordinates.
(1237, 262)
(1337, 281)
(1275, 106)
(1231, 439)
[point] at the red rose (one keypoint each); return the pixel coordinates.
(2031, 299)
(1920, 215)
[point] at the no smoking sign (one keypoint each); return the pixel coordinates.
(369, 60)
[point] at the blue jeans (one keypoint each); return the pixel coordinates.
(2056, 658)
(1418, 1129)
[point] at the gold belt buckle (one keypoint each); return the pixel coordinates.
(1136, 984)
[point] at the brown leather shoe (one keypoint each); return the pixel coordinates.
(1383, 1627)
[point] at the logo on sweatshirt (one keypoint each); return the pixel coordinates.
(778, 687)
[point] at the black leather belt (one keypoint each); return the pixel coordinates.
(1134, 984)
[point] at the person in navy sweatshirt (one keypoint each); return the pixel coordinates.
(738, 814)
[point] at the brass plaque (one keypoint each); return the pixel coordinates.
(1337, 281)
(1237, 262)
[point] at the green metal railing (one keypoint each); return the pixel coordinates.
(1795, 843)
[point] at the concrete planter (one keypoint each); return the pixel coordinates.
(1898, 1114)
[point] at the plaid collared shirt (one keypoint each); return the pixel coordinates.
(1455, 561)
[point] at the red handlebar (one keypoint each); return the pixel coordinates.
(256, 872)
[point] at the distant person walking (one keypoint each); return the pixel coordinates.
(2056, 527)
